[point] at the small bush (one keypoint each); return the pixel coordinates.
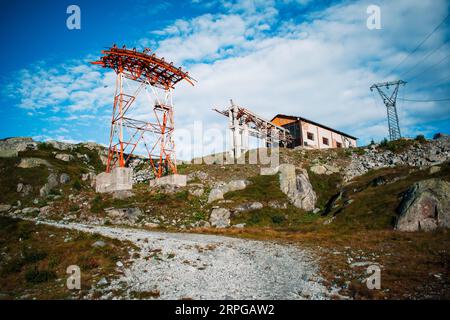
(74, 207)
(12, 266)
(277, 219)
(35, 276)
(420, 138)
(97, 204)
(77, 185)
(31, 257)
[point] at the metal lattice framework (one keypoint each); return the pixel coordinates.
(390, 101)
(127, 132)
(244, 123)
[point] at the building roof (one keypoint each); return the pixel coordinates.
(312, 122)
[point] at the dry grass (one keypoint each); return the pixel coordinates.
(35, 259)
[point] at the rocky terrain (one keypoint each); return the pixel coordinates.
(190, 266)
(331, 212)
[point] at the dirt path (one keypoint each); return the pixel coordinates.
(180, 265)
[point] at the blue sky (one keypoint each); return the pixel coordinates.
(314, 59)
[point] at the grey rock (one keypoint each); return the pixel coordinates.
(60, 145)
(277, 205)
(239, 225)
(220, 218)
(17, 144)
(44, 211)
(32, 163)
(131, 214)
(215, 194)
(30, 210)
(297, 187)
(4, 207)
(221, 188)
(318, 169)
(64, 157)
(434, 169)
(249, 206)
(425, 206)
(64, 178)
(197, 192)
(24, 189)
(122, 194)
(52, 182)
(102, 282)
(99, 244)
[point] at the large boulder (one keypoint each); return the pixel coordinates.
(425, 206)
(297, 187)
(221, 188)
(220, 218)
(52, 182)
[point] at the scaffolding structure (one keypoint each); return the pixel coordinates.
(156, 78)
(243, 123)
(390, 101)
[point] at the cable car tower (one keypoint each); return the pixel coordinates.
(156, 78)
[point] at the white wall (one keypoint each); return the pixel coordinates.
(319, 133)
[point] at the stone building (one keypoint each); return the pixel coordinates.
(313, 135)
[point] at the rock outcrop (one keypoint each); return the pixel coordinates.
(430, 153)
(32, 163)
(52, 182)
(221, 188)
(11, 146)
(425, 206)
(297, 187)
(220, 218)
(64, 157)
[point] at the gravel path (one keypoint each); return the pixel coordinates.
(182, 265)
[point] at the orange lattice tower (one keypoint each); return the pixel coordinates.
(150, 72)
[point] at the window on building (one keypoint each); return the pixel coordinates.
(325, 141)
(310, 135)
(338, 144)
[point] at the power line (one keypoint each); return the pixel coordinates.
(431, 67)
(423, 59)
(420, 44)
(430, 100)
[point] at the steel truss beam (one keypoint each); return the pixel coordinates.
(244, 123)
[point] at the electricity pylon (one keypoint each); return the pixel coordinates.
(390, 103)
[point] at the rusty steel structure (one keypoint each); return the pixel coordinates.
(146, 71)
(244, 123)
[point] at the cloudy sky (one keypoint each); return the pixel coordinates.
(315, 59)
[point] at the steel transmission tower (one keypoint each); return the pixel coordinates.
(390, 101)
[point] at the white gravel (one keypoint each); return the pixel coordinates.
(209, 267)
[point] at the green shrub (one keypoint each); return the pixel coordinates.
(77, 185)
(420, 138)
(277, 219)
(35, 276)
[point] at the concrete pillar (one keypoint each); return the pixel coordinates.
(245, 137)
(237, 134)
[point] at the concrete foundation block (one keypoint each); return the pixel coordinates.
(116, 180)
(178, 180)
